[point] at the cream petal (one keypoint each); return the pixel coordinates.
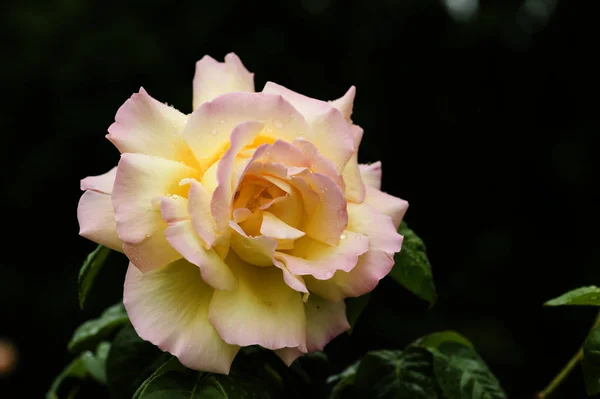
(355, 187)
(325, 320)
(102, 183)
(152, 253)
(144, 125)
(371, 174)
(169, 307)
(387, 204)
(97, 220)
(345, 103)
(214, 78)
(365, 219)
(262, 310)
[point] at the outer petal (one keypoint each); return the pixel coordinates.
(214, 78)
(262, 309)
(200, 213)
(355, 187)
(102, 183)
(383, 235)
(371, 174)
(140, 179)
(257, 251)
(97, 220)
(345, 103)
(146, 126)
(371, 267)
(387, 204)
(152, 253)
(169, 307)
(311, 257)
(325, 320)
(332, 134)
(209, 127)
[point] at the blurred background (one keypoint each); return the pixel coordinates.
(484, 114)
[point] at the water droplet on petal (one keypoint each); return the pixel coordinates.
(222, 121)
(343, 237)
(175, 196)
(213, 132)
(277, 123)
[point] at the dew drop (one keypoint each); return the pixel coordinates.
(175, 196)
(222, 121)
(343, 237)
(277, 123)
(213, 132)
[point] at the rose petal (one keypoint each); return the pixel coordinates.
(101, 183)
(152, 253)
(169, 307)
(345, 103)
(387, 204)
(367, 220)
(371, 174)
(214, 78)
(146, 126)
(222, 198)
(174, 209)
(274, 227)
(262, 310)
(325, 206)
(371, 267)
(214, 271)
(311, 257)
(97, 220)
(208, 128)
(257, 251)
(199, 209)
(317, 162)
(293, 281)
(288, 355)
(355, 188)
(331, 132)
(140, 179)
(325, 320)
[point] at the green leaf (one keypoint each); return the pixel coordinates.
(354, 308)
(90, 333)
(343, 383)
(590, 364)
(580, 296)
(88, 272)
(130, 362)
(459, 370)
(388, 374)
(412, 268)
(86, 365)
(150, 385)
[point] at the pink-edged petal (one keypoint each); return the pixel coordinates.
(262, 310)
(200, 213)
(214, 270)
(288, 355)
(101, 183)
(144, 125)
(257, 251)
(208, 128)
(274, 227)
(331, 132)
(325, 320)
(387, 204)
(140, 179)
(97, 220)
(371, 174)
(367, 220)
(325, 207)
(345, 103)
(292, 280)
(285, 153)
(222, 198)
(314, 258)
(355, 187)
(214, 78)
(370, 269)
(152, 253)
(317, 162)
(169, 307)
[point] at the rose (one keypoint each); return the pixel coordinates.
(246, 222)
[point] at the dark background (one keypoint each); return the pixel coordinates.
(485, 120)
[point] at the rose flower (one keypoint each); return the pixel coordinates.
(246, 222)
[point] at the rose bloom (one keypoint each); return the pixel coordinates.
(246, 222)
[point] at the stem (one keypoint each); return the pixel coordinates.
(564, 372)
